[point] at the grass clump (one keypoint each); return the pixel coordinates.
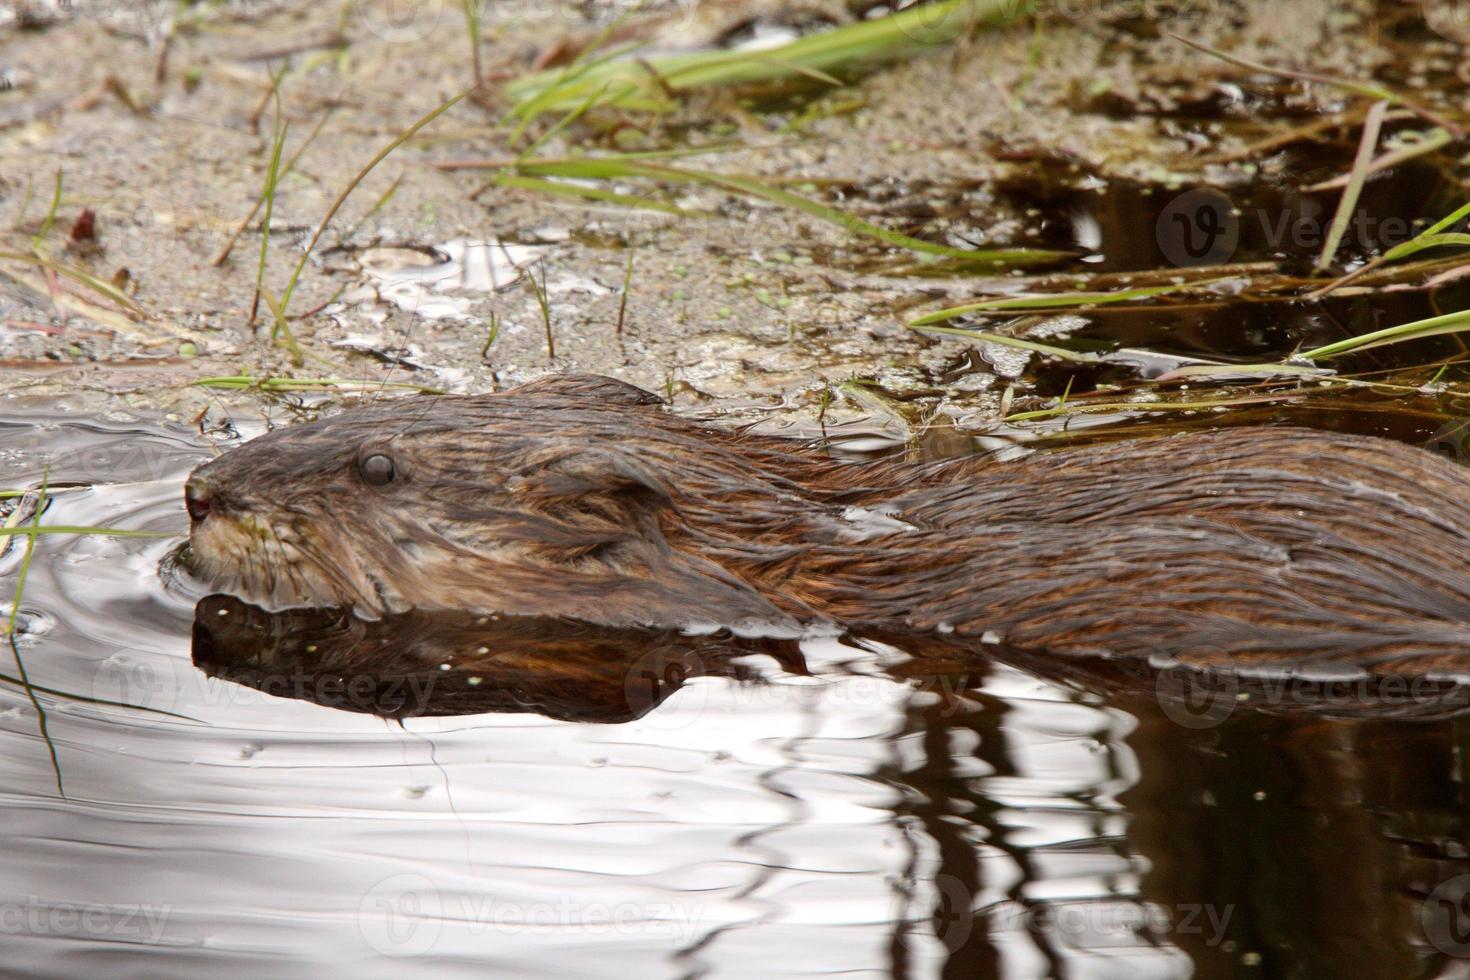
(618, 79)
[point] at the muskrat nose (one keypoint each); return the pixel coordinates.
(196, 501)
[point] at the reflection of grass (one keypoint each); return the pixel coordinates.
(22, 679)
(20, 586)
(655, 83)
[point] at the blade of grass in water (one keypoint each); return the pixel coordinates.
(34, 531)
(1436, 326)
(614, 168)
(1436, 139)
(1080, 408)
(648, 84)
(308, 384)
(286, 168)
(1058, 301)
(1348, 203)
(1079, 357)
(280, 329)
(1432, 237)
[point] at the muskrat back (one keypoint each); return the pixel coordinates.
(582, 497)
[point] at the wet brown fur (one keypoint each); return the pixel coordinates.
(581, 497)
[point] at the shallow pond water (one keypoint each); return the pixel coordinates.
(811, 813)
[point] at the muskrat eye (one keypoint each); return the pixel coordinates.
(377, 470)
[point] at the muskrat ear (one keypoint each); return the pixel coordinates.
(562, 472)
(591, 387)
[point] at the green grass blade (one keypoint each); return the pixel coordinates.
(644, 84)
(1436, 326)
(244, 381)
(1058, 301)
(1080, 357)
(594, 194)
(346, 192)
(612, 168)
(1421, 242)
(33, 531)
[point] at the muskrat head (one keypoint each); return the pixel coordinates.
(555, 499)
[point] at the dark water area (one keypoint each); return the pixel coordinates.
(207, 789)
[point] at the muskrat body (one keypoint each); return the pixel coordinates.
(580, 497)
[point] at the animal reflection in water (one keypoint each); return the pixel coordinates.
(1241, 817)
(458, 663)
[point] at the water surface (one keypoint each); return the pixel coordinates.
(812, 813)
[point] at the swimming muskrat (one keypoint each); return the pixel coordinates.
(580, 497)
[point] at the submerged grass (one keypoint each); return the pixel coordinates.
(653, 84)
